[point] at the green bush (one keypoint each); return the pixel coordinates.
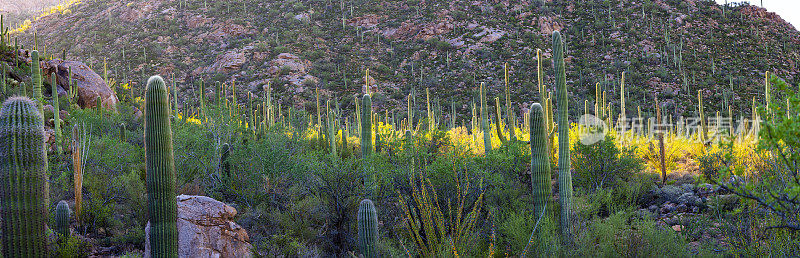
(623, 235)
(603, 164)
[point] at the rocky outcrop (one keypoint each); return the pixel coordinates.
(293, 69)
(90, 84)
(206, 229)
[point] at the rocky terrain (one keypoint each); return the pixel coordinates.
(669, 48)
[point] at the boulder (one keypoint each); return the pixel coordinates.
(90, 84)
(206, 229)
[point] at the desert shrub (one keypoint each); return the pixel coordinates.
(770, 184)
(603, 164)
(624, 235)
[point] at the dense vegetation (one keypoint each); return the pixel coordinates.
(336, 178)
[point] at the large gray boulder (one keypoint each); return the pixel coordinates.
(206, 229)
(90, 84)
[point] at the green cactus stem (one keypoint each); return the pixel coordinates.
(366, 126)
(23, 180)
(487, 140)
(56, 114)
(540, 159)
(62, 220)
(367, 229)
(564, 173)
(36, 79)
(160, 163)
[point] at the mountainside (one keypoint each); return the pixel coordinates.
(668, 48)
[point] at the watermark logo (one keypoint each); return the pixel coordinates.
(593, 129)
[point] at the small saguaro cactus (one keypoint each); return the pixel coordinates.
(122, 132)
(564, 166)
(23, 180)
(160, 164)
(62, 219)
(367, 229)
(540, 159)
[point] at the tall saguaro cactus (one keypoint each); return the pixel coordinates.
(540, 159)
(160, 161)
(367, 229)
(23, 180)
(56, 114)
(366, 126)
(36, 79)
(487, 140)
(564, 174)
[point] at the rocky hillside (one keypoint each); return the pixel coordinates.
(668, 48)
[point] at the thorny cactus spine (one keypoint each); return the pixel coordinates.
(540, 159)
(367, 229)
(564, 174)
(160, 164)
(24, 191)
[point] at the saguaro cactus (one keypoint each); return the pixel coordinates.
(160, 164)
(366, 126)
(487, 140)
(540, 159)
(564, 174)
(62, 219)
(224, 166)
(367, 229)
(23, 180)
(56, 114)
(36, 79)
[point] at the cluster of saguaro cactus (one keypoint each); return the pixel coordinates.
(160, 164)
(367, 229)
(564, 173)
(23, 179)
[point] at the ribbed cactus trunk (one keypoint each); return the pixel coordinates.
(332, 132)
(564, 173)
(23, 180)
(62, 220)
(366, 127)
(367, 229)
(498, 123)
(36, 79)
(540, 159)
(56, 114)
(487, 140)
(366, 141)
(160, 163)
